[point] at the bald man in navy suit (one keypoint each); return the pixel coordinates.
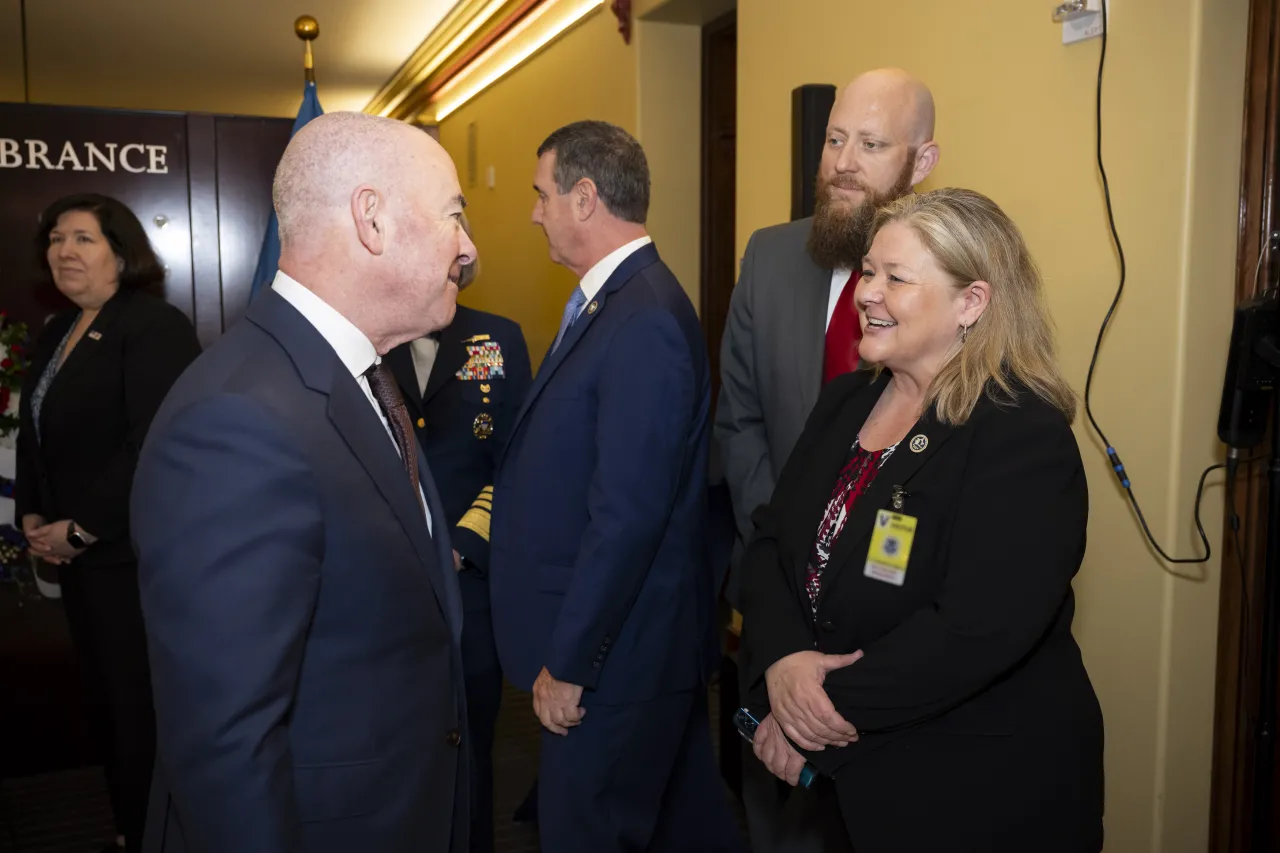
(303, 616)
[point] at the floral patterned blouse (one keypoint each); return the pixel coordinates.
(855, 478)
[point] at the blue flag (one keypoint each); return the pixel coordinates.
(269, 258)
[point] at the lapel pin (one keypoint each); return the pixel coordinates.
(421, 423)
(919, 443)
(95, 336)
(485, 388)
(591, 309)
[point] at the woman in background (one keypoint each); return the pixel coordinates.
(99, 371)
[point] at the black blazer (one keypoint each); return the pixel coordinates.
(464, 418)
(96, 414)
(979, 729)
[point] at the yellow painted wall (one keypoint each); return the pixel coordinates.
(669, 126)
(1015, 121)
(10, 52)
(589, 73)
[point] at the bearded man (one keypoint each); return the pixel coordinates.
(793, 327)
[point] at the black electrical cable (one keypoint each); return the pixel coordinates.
(1116, 465)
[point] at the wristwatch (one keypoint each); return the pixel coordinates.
(74, 539)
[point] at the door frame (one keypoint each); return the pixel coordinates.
(1239, 619)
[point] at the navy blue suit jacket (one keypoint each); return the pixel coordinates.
(463, 420)
(598, 569)
(303, 625)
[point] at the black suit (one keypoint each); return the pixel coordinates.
(93, 420)
(979, 729)
(462, 424)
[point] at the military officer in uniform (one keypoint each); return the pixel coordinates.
(463, 387)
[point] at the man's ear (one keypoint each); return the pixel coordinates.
(368, 211)
(585, 199)
(926, 159)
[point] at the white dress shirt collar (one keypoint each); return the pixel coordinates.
(840, 277)
(351, 345)
(599, 274)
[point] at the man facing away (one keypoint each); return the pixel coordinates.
(601, 592)
(793, 326)
(302, 609)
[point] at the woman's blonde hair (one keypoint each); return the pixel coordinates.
(471, 270)
(972, 239)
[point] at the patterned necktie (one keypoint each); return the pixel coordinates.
(387, 393)
(571, 310)
(840, 355)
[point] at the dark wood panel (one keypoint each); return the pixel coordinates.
(248, 152)
(206, 265)
(139, 158)
(719, 176)
(1240, 598)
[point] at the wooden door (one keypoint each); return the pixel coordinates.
(719, 174)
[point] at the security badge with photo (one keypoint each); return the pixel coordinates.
(484, 363)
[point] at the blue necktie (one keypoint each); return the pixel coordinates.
(571, 311)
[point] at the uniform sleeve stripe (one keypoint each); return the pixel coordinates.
(477, 521)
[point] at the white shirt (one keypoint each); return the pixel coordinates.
(839, 278)
(599, 274)
(354, 350)
(424, 352)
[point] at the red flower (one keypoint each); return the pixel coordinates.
(7, 363)
(16, 349)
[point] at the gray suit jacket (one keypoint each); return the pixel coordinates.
(770, 366)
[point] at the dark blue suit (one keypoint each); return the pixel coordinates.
(304, 627)
(462, 419)
(598, 570)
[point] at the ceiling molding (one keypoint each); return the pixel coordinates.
(461, 68)
(541, 27)
(467, 23)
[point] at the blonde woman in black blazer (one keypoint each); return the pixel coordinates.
(99, 372)
(907, 598)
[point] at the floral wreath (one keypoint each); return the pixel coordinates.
(14, 362)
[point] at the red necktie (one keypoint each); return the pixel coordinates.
(843, 333)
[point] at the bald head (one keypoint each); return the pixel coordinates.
(334, 154)
(370, 221)
(905, 102)
(879, 146)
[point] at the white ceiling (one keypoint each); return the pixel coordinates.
(226, 56)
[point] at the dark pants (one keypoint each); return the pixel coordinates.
(104, 615)
(783, 819)
(483, 677)
(635, 778)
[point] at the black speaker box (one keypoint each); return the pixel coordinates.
(810, 109)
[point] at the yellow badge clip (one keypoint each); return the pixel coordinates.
(891, 541)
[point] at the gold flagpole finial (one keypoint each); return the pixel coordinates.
(307, 29)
